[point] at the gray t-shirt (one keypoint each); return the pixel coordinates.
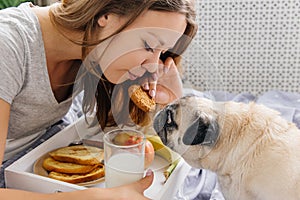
(24, 79)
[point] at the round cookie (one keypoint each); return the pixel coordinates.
(141, 98)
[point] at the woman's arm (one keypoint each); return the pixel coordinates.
(4, 118)
(133, 191)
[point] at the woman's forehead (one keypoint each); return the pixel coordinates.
(162, 37)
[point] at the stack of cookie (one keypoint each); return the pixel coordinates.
(75, 164)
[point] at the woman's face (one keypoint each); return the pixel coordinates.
(136, 50)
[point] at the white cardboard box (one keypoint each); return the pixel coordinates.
(19, 175)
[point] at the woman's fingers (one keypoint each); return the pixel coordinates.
(134, 190)
(149, 82)
(145, 84)
(145, 182)
(165, 84)
(169, 85)
(152, 84)
(167, 65)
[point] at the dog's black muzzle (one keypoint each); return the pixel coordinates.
(164, 123)
(203, 130)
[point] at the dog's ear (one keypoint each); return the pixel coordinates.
(201, 131)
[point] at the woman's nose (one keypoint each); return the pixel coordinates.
(151, 64)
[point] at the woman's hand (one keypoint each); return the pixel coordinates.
(169, 84)
(165, 85)
(131, 191)
(135, 190)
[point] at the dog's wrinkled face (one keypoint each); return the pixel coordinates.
(189, 127)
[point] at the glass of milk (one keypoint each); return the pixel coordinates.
(124, 152)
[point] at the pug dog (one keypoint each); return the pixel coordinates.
(252, 149)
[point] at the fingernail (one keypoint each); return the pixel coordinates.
(149, 172)
(152, 93)
(155, 77)
(146, 86)
(166, 69)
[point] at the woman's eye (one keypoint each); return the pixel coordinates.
(147, 47)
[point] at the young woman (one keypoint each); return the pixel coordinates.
(112, 43)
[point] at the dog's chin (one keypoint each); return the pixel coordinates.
(189, 153)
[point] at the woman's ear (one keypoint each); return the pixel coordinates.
(103, 20)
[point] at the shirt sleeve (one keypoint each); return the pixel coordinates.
(11, 62)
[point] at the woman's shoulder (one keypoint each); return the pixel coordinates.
(20, 21)
(20, 31)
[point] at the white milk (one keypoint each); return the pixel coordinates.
(123, 168)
